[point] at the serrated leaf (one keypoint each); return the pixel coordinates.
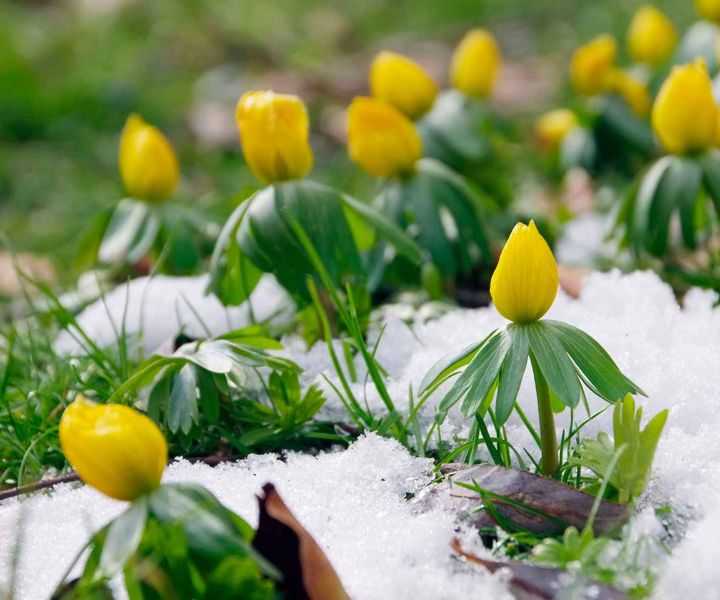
(554, 363)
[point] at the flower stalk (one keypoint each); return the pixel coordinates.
(548, 436)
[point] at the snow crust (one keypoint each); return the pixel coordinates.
(352, 502)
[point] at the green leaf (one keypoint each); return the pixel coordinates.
(512, 372)
(183, 409)
(213, 355)
(487, 349)
(233, 276)
(479, 376)
(595, 364)
(445, 367)
(386, 228)
(267, 237)
(209, 399)
(130, 233)
(672, 184)
(710, 162)
(123, 538)
(554, 363)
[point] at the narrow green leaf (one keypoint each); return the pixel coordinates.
(512, 372)
(594, 362)
(386, 228)
(487, 349)
(486, 366)
(553, 360)
(445, 367)
(123, 538)
(183, 409)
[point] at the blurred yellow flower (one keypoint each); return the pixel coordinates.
(632, 90)
(525, 282)
(113, 448)
(475, 64)
(708, 9)
(651, 37)
(148, 165)
(381, 139)
(552, 127)
(274, 130)
(592, 65)
(685, 116)
(399, 81)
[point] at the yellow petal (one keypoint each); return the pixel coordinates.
(381, 139)
(632, 90)
(475, 64)
(708, 9)
(525, 282)
(114, 448)
(274, 131)
(591, 65)
(404, 84)
(552, 127)
(685, 116)
(148, 165)
(651, 37)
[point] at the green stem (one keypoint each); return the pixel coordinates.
(548, 436)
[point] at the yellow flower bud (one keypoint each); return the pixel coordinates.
(113, 448)
(685, 116)
(148, 165)
(632, 90)
(552, 127)
(475, 64)
(592, 65)
(274, 131)
(525, 282)
(381, 139)
(651, 37)
(708, 9)
(399, 81)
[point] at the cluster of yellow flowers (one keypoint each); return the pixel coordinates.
(274, 128)
(684, 115)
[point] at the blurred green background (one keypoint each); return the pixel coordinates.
(71, 72)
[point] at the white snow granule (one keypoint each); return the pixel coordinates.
(352, 502)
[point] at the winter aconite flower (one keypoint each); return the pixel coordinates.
(708, 9)
(148, 165)
(274, 130)
(651, 37)
(592, 65)
(404, 84)
(475, 64)
(525, 282)
(113, 448)
(381, 139)
(632, 90)
(685, 116)
(552, 127)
